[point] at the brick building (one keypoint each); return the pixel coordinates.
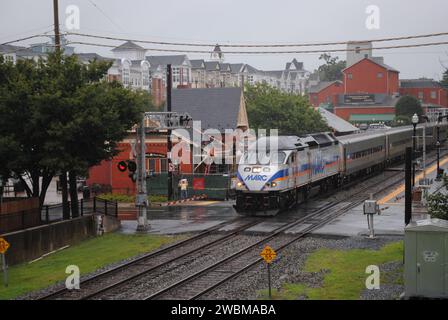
(370, 75)
(368, 91)
(429, 92)
(326, 92)
(216, 108)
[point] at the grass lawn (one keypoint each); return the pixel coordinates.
(345, 279)
(89, 255)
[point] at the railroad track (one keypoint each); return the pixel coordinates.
(209, 278)
(197, 283)
(122, 272)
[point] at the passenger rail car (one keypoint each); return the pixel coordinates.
(275, 179)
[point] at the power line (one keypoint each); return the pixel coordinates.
(267, 52)
(23, 39)
(260, 45)
(104, 14)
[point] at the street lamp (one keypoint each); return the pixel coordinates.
(414, 123)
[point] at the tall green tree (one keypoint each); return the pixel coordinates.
(331, 70)
(59, 116)
(406, 106)
(269, 108)
(444, 81)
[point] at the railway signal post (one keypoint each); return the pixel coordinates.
(158, 121)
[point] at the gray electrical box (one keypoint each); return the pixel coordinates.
(426, 259)
(371, 207)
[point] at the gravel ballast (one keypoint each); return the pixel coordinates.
(289, 269)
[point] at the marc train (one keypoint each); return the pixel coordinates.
(273, 181)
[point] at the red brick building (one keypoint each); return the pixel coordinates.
(368, 92)
(326, 92)
(370, 76)
(428, 91)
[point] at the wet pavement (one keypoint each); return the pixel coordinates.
(197, 216)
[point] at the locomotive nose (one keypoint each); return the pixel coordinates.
(255, 178)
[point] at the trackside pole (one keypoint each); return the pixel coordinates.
(142, 196)
(269, 280)
(5, 270)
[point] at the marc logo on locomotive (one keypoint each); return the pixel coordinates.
(256, 177)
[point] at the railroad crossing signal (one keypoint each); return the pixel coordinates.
(4, 245)
(129, 165)
(268, 254)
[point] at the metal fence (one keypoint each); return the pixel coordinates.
(106, 207)
(52, 213)
(19, 220)
(215, 186)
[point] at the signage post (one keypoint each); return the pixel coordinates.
(4, 245)
(269, 255)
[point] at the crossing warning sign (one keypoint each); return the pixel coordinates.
(268, 254)
(4, 245)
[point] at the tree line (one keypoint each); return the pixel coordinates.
(58, 117)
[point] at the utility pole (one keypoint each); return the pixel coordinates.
(169, 83)
(63, 176)
(57, 36)
(142, 194)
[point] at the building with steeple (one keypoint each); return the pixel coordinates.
(217, 54)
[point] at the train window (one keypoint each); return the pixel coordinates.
(272, 158)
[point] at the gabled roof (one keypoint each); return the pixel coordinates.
(248, 68)
(322, 85)
(419, 83)
(86, 57)
(297, 65)
(212, 66)
(128, 45)
(236, 67)
(197, 64)
(175, 60)
(225, 66)
(6, 48)
(337, 123)
(217, 108)
(376, 61)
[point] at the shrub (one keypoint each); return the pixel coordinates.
(438, 203)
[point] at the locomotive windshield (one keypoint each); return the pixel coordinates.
(263, 158)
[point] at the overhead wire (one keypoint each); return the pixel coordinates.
(190, 44)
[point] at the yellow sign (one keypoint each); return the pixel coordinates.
(4, 245)
(268, 254)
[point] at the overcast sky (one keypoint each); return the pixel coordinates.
(247, 21)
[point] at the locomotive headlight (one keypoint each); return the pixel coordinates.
(247, 169)
(256, 169)
(273, 184)
(239, 184)
(266, 169)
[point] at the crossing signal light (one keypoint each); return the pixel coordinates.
(129, 165)
(122, 166)
(132, 166)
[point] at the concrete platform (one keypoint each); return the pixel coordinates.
(391, 220)
(354, 223)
